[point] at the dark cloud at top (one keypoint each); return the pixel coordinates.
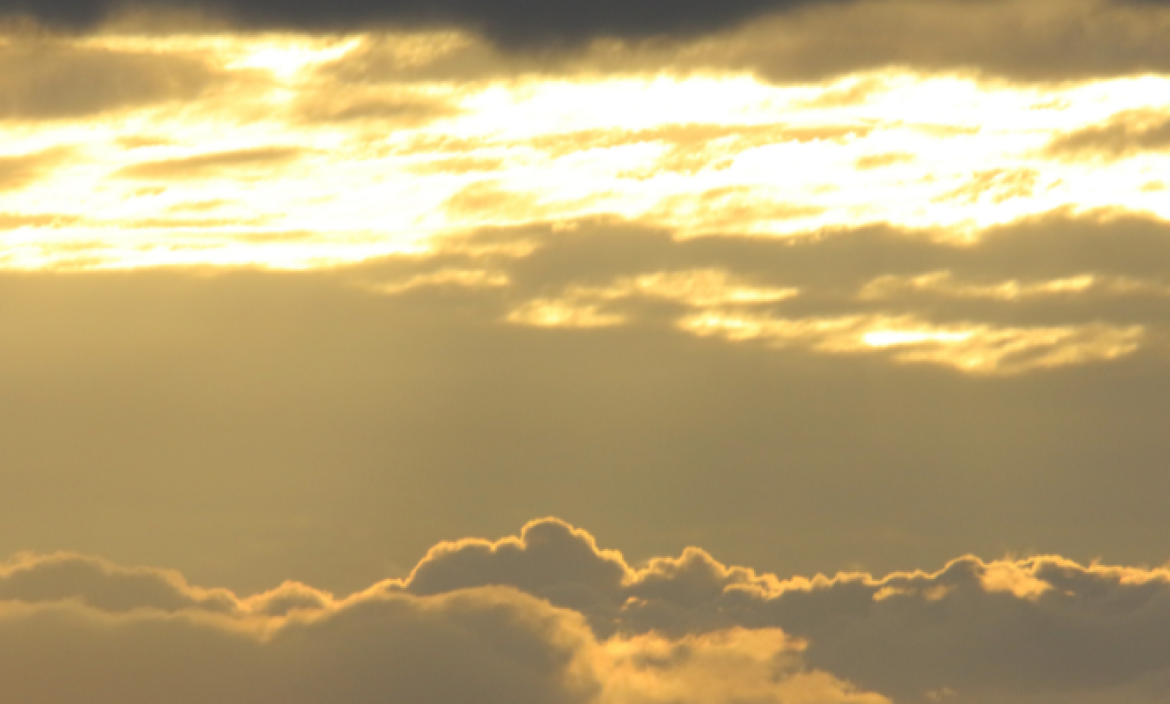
(524, 22)
(1022, 40)
(780, 40)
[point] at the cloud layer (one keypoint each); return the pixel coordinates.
(516, 21)
(1046, 293)
(548, 616)
(126, 149)
(1034, 40)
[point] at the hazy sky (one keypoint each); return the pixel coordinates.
(638, 352)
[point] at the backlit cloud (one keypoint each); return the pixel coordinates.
(296, 644)
(549, 616)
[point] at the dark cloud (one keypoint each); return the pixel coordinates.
(488, 646)
(139, 641)
(783, 40)
(104, 586)
(1029, 40)
(550, 617)
(524, 22)
(990, 631)
(547, 553)
(1034, 40)
(1124, 134)
(45, 78)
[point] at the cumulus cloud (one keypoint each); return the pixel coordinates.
(999, 630)
(125, 634)
(490, 645)
(104, 586)
(549, 616)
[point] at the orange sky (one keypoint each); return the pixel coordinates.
(790, 352)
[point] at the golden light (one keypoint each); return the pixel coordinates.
(699, 154)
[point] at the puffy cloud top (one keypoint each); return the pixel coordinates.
(548, 616)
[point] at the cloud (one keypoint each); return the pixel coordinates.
(547, 554)
(1033, 40)
(57, 79)
(491, 646)
(252, 427)
(514, 22)
(340, 103)
(11, 221)
(549, 616)
(1050, 292)
(988, 630)
(877, 161)
(21, 170)
(997, 185)
(1122, 135)
(1046, 293)
(970, 348)
(103, 585)
(215, 164)
(484, 643)
(1028, 41)
(405, 148)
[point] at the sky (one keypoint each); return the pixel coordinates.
(639, 352)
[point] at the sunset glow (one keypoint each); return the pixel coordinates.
(584, 352)
(299, 152)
